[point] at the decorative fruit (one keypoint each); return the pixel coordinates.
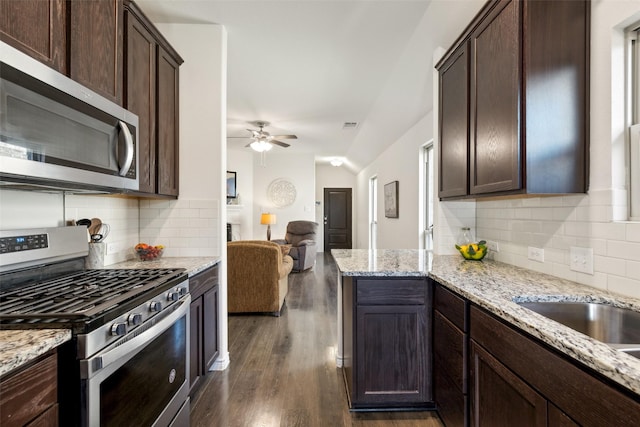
(473, 251)
(147, 252)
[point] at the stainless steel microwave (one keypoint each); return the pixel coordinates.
(57, 134)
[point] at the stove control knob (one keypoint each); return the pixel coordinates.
(155, 306)
(118, 328)
(172, 296)
(182, 291)
(134, 319)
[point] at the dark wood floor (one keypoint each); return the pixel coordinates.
(283, 370)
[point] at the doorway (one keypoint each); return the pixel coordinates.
(337, 219)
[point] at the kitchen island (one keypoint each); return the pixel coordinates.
(384, 313)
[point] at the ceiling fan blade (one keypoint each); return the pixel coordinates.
(280, 143)
(285, 136)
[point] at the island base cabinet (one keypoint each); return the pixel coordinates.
(386, 343)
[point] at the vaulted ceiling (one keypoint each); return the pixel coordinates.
(309, 66)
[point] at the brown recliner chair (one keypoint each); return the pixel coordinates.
(257, 277)
(301, 235)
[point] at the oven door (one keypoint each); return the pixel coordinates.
(143, 379)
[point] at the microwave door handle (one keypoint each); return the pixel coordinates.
(128, 158)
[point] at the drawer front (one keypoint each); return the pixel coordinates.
(391, 292)
(203, 281)
(451, 306)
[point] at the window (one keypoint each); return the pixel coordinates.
(427, 156)
(633, 120)
(373, 212)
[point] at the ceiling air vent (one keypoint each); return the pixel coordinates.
(350, 125)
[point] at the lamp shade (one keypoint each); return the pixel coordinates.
(268, 218)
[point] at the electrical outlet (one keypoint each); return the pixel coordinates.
(112, 248)
(581, 259)
(493, 246)
(536, 254)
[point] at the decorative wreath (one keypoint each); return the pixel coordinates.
(281, 193)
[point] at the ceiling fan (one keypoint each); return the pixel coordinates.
(263, 140)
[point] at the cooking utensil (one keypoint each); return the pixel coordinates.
(94, 228)
(84, 221)
(102, 234)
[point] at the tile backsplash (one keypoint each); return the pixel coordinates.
(556, 224)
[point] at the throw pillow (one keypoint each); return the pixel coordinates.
(285, 249)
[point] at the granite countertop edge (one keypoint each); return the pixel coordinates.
(497, 287)
(19, 347)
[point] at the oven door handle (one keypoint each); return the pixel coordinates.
(135, 341)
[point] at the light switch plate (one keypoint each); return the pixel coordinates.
(581, 259)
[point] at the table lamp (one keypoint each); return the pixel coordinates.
(268, 219)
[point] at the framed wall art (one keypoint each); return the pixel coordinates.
(391, 200)
(231, 185)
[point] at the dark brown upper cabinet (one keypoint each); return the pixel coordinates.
(151, 92)
(528, 101)
(38, 28)
(95, 46)
(454, 124)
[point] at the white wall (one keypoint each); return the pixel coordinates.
(299, 169)
(400, 162)
(334, 177)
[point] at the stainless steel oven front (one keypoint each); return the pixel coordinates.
(143, 378)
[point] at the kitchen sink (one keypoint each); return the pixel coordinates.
(618, 327)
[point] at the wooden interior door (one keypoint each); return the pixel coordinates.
(337, 219)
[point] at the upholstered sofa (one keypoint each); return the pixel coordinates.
(257, 276)
(301, 235)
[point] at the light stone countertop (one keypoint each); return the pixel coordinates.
(20, 347)
(193, 265)
(383, 262)
(497, 287)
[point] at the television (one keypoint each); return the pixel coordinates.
(231, 185)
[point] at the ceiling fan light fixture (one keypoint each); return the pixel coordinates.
(261, 146)
(336, 162)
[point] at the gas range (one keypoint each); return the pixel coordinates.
(122, 321)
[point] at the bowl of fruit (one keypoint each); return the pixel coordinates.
(148, 252)
(473, 251)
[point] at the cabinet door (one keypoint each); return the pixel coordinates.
(210, 327)
(392, 358)
(449, 370)
(499, 397)
(454, 124)
(140, 95)
(167, 124)
(38, 28)
(30, 392)
(495, 101)
(195, 342)
(95, 46)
